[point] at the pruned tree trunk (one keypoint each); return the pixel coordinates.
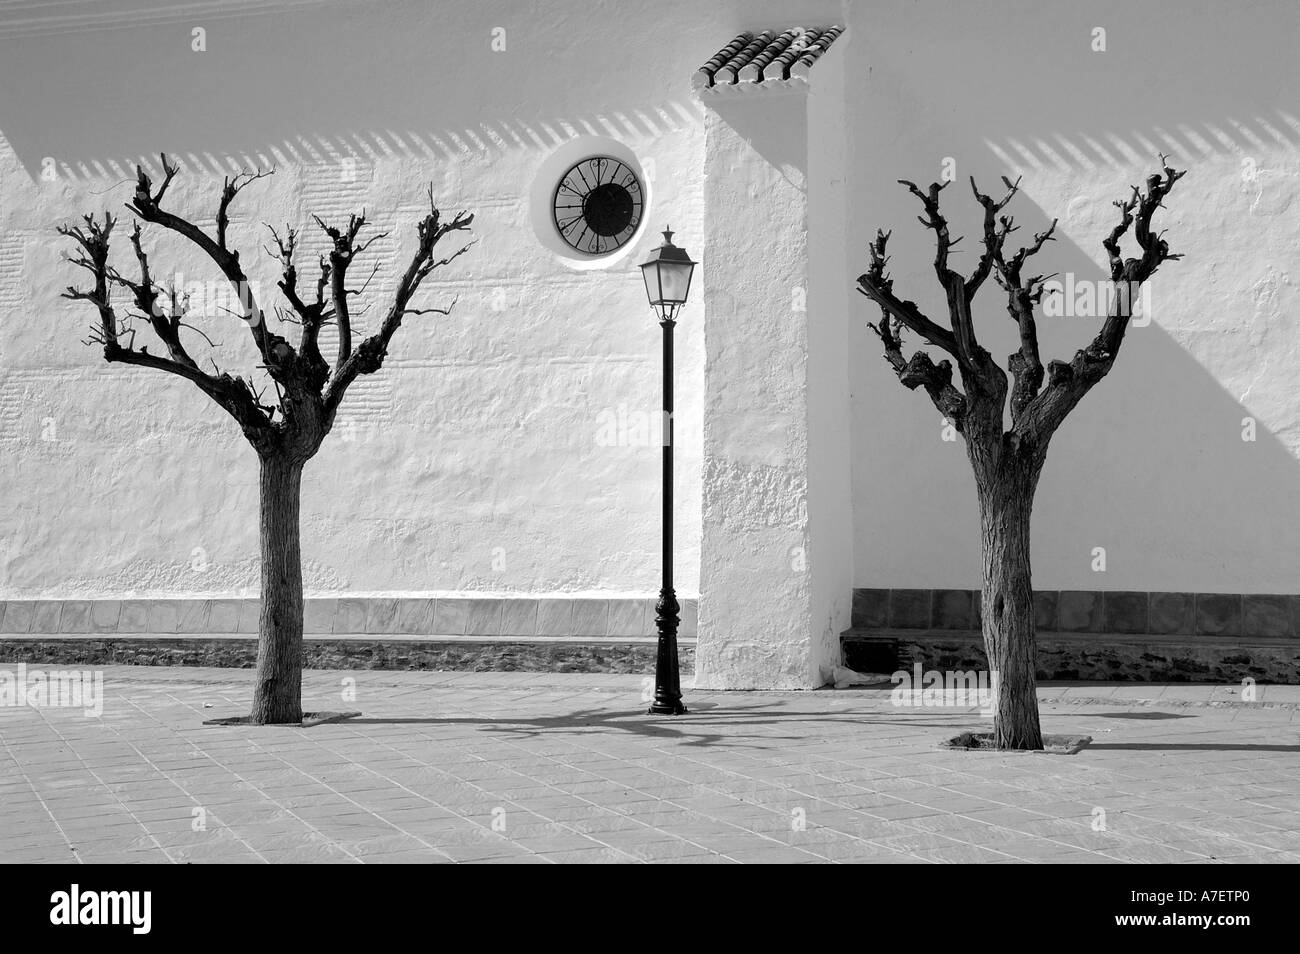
(1007, 601)
(285, 434)
(277, 695)
(1007, 462)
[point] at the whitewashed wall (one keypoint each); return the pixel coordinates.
(506, 449)
(502, 449)
(479, 460)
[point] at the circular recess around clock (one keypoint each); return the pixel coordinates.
(597, 205)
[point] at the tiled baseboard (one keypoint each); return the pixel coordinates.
(1091, 611)
(491, 617)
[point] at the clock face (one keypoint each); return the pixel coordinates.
(597, 205)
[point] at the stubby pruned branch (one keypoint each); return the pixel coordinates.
(370, 353)
(229, 189)
(344, 249)
(1036, 410)
(277, 354)
(1023, 295)
(920, 370)
(310, 315)
(876, 284)
(232, 394)
(996, 230)
(307, 388)
(1067, 383)
(934, 220)
(968, 354)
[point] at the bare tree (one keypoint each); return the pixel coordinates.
(1006, 460)
(287, 432)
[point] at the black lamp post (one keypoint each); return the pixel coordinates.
(667, 275)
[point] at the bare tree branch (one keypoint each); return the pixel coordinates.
(876, 284)
(233, 395)
(344, 250)
(310, 315)
(308, 390)
(369, 355)
(970, 357)
(276, 353)
(996, 230)
(920, 370)
(1068, 382)
(229, 189)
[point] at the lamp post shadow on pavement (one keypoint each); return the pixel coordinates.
(667, 274)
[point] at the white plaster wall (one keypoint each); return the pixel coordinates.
(489, 454)
(477, 460)
(830, 437)
(755, 611)
(1151, 466)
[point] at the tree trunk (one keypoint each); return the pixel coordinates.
(1007, 607)
(277, 697)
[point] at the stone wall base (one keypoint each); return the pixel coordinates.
(1107, 657)
(464, 654)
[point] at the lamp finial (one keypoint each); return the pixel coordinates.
(668, 235)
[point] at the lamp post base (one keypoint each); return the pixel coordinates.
(665, 708)
(668, 692)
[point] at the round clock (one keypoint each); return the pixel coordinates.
(597, 205)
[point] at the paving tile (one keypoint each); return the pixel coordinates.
(350, 617)
(18, 616)
(192, 616)
(416, 617)
(318, 616)
(381, 616)
(1124, 612)
(45, 617)
(519, 617)
(954, 609)
(223, 616)
(104, 615)
(250, 613)
(451, 617)
(870, 608)
(631, 617)
(690, 618)
(164, 616)
(485, 617)
(1218, 614)
(590, 617)
(1079, 611)
(555, 617)
(567, 767)
(1172, 614)
(1045, 606)
(910, 609)
(1268, 616)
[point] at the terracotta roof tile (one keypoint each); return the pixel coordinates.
(762, 57)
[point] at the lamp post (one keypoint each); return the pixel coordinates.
(667, 275)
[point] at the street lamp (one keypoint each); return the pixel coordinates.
(667, 275)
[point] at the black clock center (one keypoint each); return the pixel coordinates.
(607, 209)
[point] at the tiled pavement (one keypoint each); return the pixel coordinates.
(527, 767)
